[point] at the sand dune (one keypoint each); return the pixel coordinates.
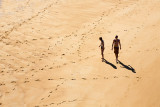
(50, 57)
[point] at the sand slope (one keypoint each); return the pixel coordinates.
(50, 57)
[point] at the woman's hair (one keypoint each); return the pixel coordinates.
(100, 38)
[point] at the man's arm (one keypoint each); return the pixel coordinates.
(120, 44)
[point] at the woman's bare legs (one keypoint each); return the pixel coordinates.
(102, 50)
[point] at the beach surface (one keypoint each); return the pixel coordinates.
(50, 55)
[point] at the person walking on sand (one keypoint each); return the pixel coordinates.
(102, 47)
(116, 43)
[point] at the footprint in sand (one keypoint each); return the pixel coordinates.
(46, 66)
(61, 78)
(41, 69)
(138, 78)
(51, 68)
(51, 103)
(50, 79)
(13, 81)
(105, 78)
(37, 80)
(58, 66)
(127, 76)
(73, 100)
(109, 31)
(115, 77)
(84, 78)
(21, 67)
(2, 84)
(26, 81)
(95, 78)
(32, 69)
(42, 99)
(7, 92)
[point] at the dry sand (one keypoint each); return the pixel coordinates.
(49, 53)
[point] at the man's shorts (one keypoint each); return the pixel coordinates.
(116, 50)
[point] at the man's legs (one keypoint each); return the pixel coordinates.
(116, 51)
(117, 58)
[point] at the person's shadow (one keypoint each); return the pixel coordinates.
(127, 67)
(104, 60)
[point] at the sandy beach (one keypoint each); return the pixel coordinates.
(49, 54)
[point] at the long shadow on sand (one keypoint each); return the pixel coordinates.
(104, 60)
(127, 67)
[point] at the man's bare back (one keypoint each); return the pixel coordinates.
(116, 42)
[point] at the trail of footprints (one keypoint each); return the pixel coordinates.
(97, 78)
(94, 26)
(83, 37)
(7, 33)
(58, 103)
(137, 78)
(73, 79)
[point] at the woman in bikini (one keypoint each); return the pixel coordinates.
(102, 47)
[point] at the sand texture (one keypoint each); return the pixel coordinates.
(49, 54)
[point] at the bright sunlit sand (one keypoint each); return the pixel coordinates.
(50, 54)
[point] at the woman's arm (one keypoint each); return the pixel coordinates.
(120, 44)
(112, 44)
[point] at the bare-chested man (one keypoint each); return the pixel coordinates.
(116, 43)
(102, 47)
